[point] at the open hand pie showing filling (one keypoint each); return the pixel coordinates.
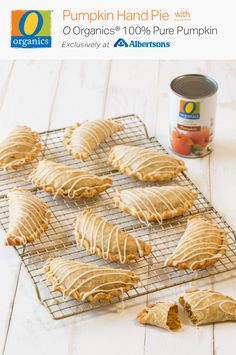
(145, 164)
(61, 179)
(29, 217)
(201, 245)
(161, 314)
(205, 306)
(108, 241)
(81, 139)
(20, 147)
(155, 203)
(87, 281)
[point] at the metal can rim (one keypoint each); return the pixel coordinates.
(213, 81)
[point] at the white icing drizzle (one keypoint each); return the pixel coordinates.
(198, 297)
(104, 233)
(17, 145)
(201, 241)
(27, 214)
(91, 133)
(74, 276)
(65, 178)
(154, 200)
(138, 158)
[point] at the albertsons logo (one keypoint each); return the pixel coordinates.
(138, 44)
(31, 29)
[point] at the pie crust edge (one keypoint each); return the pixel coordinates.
(150, 217)
(67, 140)
(14, 241)
(107, 296)
(30, 155)
(87, 193)
(145, 177)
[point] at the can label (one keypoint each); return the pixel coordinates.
(192, 125)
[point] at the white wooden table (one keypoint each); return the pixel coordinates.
(50, 94)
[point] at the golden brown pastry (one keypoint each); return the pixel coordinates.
(155, 203)
(82, 138)
(202, 244)
(28, 217)
(145, 164)
(61, 179)
(97, 235)
(86, 281)
(20, 147)
(162, 315)
(204, 306)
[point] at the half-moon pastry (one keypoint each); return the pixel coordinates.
(97, 235)
(202, 244)
(145, 164)
(61, 179)
(20, 147)
(28, 217)
(161, 314)
(82, 138)
(155, 203)
(86, 281)
(205, 306)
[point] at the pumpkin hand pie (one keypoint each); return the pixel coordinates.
(82, 138)
(20, 147)
(205, 306)
(202, 244)
(88, 282)
(28, 217)
(155, 203)
(145, 164)
(97, 235)
(161, 314)
(61, 179)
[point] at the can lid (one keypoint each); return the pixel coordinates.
(194, 86)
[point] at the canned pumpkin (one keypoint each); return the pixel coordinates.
(192, 115)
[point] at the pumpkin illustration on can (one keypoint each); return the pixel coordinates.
(192, 115)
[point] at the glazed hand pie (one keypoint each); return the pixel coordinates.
(201, 245)
(204, 306)
(81, 139)
(97, 235)
(20, 147)
(61, 179)
(28, 217)
(162, 315)
(86, 281)
(145, 164)
(155, 203)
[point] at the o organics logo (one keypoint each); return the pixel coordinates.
(189, 110)
(31, 29)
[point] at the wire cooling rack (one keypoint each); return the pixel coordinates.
(59, 238)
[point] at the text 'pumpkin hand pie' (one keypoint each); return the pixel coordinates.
(81, 139)
(162, 315)
(205, 306)
(97, 235)
(20, 147)
(61, 179)
(28, 217)
(155, 203)
(145, 164)
(202, 244)
(86, 281)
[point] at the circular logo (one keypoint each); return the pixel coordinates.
(31, 23)
(189, 107)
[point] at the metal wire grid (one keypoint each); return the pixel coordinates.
(59, 239)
